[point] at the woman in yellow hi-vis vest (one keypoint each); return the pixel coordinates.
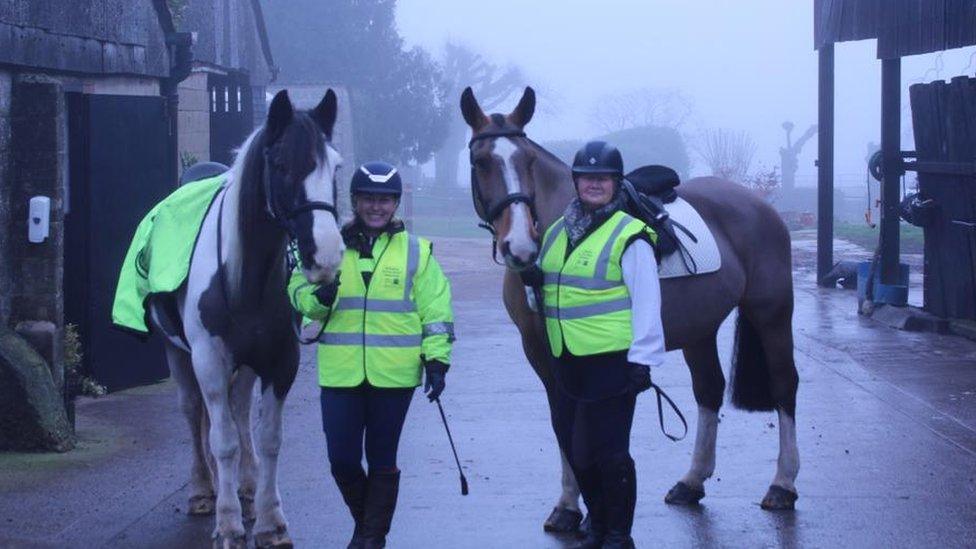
(602, 302)
(387, 317)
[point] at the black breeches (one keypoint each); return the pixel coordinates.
(593, 432)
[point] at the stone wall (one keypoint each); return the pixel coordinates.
(5, 264)
(194, 118)
(38, 148)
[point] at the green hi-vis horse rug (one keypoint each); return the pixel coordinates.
(158, 259)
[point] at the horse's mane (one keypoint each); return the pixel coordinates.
(247, 173)
(545, 152)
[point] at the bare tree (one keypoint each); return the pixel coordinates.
(664, 107)
(727, 153)
(493, 84)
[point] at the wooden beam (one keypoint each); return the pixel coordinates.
(892, 167)
(825, 165)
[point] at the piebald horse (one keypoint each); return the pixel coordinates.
(231, 322)
(519, 189)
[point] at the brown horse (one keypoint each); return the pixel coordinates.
(520, 188)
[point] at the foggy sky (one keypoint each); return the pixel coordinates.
(749, 65)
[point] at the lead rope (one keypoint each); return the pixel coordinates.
(291, 262)
(660, 413)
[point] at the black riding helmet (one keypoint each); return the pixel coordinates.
(376, 178)
(598, 157)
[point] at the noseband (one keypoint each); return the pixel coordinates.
(285, 218)
(487, 212)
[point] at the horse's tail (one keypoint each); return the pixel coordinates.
(751, 385)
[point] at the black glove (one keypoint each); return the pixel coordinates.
(640, 377)
(532, 276)
(434, 378)
(326, 293)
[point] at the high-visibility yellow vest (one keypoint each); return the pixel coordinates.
(587, 305)
(381, 333)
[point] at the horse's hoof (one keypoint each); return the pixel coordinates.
(201, 505)
(278, 538)
(247, 508)
(683, 494)
(237, 541)
(563, 521)
(779, 499)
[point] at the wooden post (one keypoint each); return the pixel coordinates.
(825, 165)
(892, 165)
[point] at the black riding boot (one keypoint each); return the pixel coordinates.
(592, 491)
(381, 498)
(353, 489)
(620, 497)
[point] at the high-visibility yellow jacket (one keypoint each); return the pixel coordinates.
(382, 333)
(587, 305)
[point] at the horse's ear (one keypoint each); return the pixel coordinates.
(325, 113)
(471, 110)
(523, 112)
(280, 114)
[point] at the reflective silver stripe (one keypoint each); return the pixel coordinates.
(371, 340)
(573, 313)
(581, 282)
(604, 260)
(346, 303)
(413, 260)
(375, 305)
(437, 328)
(553, 234)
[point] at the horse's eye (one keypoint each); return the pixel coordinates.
(482, 163)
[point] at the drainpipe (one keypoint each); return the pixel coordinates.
(180, 46)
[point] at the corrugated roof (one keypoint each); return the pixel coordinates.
(902, 27)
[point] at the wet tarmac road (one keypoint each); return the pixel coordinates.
(886, 425)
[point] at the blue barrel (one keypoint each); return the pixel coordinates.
(889, 294)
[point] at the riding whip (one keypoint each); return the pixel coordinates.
(464, 481)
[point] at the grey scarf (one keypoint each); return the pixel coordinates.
(579, 220)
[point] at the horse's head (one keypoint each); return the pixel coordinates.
(502, 183)
(299, 181)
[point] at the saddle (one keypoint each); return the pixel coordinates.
(685, 246)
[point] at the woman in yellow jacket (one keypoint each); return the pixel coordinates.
(387, 316)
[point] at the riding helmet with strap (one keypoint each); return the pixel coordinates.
(376, 178)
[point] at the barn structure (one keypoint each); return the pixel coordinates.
(944, 120)
(223, 98)
(88, 98)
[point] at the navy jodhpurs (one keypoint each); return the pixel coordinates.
(351, 414)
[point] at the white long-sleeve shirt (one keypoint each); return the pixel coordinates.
(641, 278)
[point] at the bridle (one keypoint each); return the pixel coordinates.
(285, 218)
(487, 212)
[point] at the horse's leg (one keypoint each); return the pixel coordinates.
(768, 307)
(201, 500)
(213, 372)
(241, 397)
(566, 515)
(708, 384)
(777, 341)
(271, 528)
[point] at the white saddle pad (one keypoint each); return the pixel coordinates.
(700, 257)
